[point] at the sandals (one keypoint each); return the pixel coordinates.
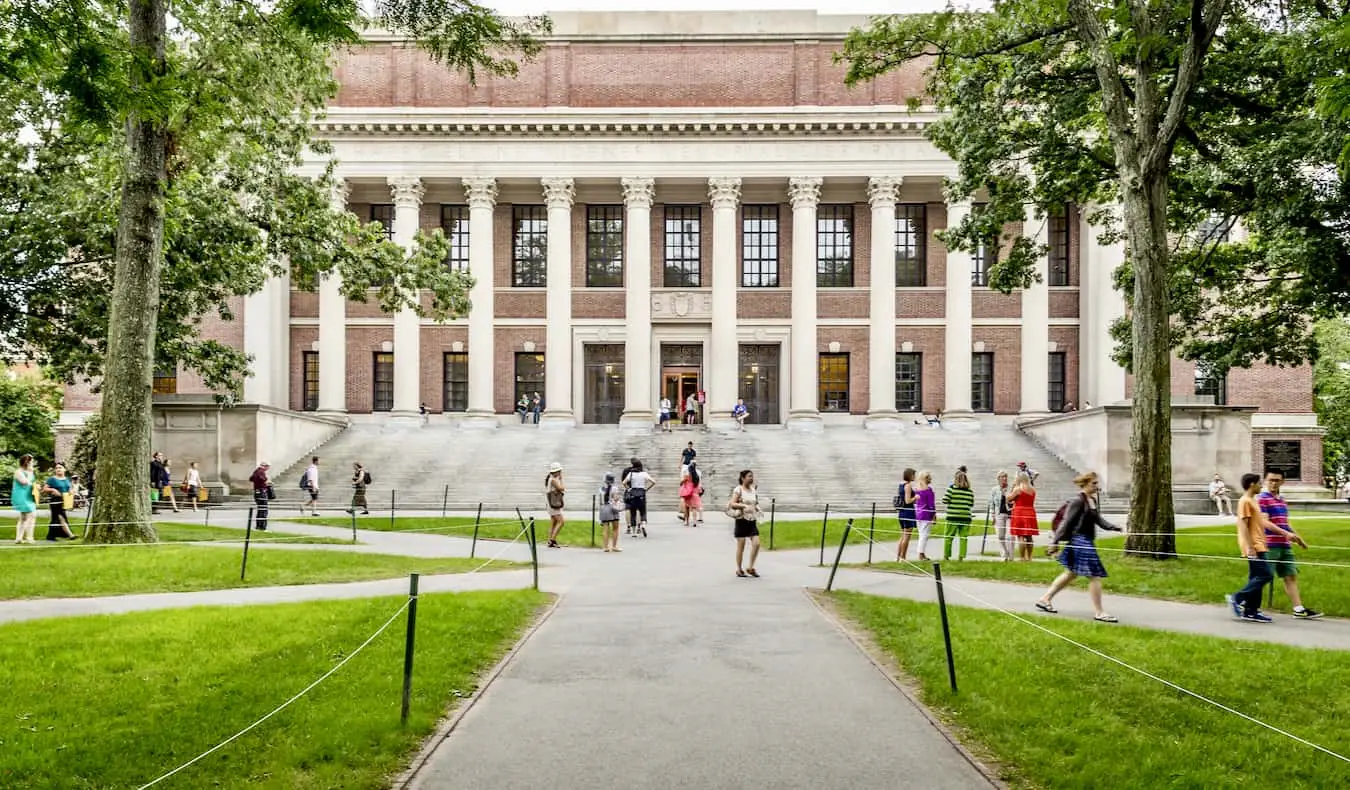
(752, 572)
(1106, 618)
(742, 574)
(1047, 608)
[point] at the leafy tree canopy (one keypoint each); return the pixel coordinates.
(1331, 377)
(29, 406)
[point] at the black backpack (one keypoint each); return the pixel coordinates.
(366, 478)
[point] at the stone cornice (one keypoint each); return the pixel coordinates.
(864, 121)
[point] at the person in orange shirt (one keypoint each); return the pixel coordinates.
(1251, 534)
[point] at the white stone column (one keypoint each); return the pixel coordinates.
(637, 369)
(881, 414)
(333, 331)
(407, 192)
(724, 193)
(481, 195)
(958, 347)
(267, 339)
(803, 414)
(1108, 305)
(1036, 324)
(559, 194)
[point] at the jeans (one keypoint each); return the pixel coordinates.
(1258, 576)
(955, 530)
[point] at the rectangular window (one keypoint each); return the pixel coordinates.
(455, 226)
(759, 247)
(383, 213)
(529, 375)
(309, 383)
(683, 247)
(1211, 384)
(982, 381)
(833, 382)
(834, 246)
(1060, 240)
(529, 246)
(456, 390)
(604, 246)
(1057, 396)
(982, 258)
(911, 245)
(383, 381)
(909, 382)
(165, 381)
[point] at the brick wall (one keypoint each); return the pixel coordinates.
(1066, 339)
(855, 342)
(1005, 342)
(842, 303)
(1310, 452)
(508, 341)
(436, 341)
(303, 339)
(928, 341)
(213, 327)
(362, 343)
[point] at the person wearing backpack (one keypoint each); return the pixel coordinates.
(360, 479)
(309, 483)
(638, 483)
(1022, 525)
(611, 509)
(904, 507)
(1078, 529)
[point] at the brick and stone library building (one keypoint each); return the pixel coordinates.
(669, 203)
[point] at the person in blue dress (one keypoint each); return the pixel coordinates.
(57, 488)
(22, 499)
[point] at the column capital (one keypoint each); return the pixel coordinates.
(724, 191)
(804, 191)
(480, 191)
(407, 191)
(559, 192)
(338, 191)
(638, 192)
(883, 190)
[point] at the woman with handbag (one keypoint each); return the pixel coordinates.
(611, 508)
(192, 484)
(744, 509)
(554, 491)
(689, 495)
(58, 488)
(1079, 558)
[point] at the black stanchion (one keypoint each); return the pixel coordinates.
(408, 647)
(773, 509)
(534, 554)
(592, 520)
(477, 518)
(987, 510)
(872, 533)
(1270, 598)
(445, 500)
(353, 512)
(521, 518)
(248, 533)
(208, 516)
(824, 523)
(848, 527)
(946, 629)
(393, 502)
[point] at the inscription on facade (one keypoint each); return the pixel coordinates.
(682, 306)
(1286, 457)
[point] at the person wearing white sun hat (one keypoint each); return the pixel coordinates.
(553, 493)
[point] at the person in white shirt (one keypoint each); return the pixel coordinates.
(665, 415)
(1218, 494)
(310, 483)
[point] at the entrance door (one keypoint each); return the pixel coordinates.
(681, 374)
(759, 382)
(604, 384)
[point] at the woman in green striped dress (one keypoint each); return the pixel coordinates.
(960, 501)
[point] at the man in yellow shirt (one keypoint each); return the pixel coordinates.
(1251, 534)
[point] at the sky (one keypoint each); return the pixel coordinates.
(830, 6)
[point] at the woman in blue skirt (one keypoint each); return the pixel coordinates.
(1079, 557)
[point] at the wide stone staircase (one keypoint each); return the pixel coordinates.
(420, 467)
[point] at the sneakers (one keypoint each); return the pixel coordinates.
(1307, 614)
(1257, 617)
(1235, 605)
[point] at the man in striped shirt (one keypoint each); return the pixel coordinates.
(1280, 553)
(959, 501)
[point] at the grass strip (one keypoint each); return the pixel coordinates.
(180, 532)
(575, 533)
(119, 700)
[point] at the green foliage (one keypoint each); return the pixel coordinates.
(1331, 382)
(84, 453)
(29, 407)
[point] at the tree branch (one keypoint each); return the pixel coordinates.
(1114, 103)
(1205, 16)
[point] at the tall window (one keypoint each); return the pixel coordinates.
(833, 382)
(1211, 383)
(982, 258)
(911, 245)
(834, 246)
(909, 382)
(529, 246)
(1057, 397)
(529, 375)
(456, 389)
(165, 381)
(383, 381)
(604, 246)
(383, 213)
(683, 246)
(1060, 240)
(982, 381)
(309, 383)
(455, 225)
(759, 247)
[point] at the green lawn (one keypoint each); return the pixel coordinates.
(1201, 580)
(178, 532)
(116, 701)
(575, 533)
(1056, 716)
(115, 570)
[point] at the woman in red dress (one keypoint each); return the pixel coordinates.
(1023, 525)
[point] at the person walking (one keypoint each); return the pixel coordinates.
(1218, 494)
(1022, 524)
(360, 479)
(57, 487)
(744, 508)
(905, 498)
(959, 500)
(554, 496)
(696, 514)
(263, 493)
(611, 508)
(998, 505)
(23, 499)
(925, 511)
(1252, 529)
(1079, 558)
(636, 485)
(1280, 555)
(689, 494)
(690, 409)
(192, 484)
(688, 454)
(168, 484)
(309, 483)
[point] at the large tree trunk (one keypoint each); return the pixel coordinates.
(122, 506)
(1152, 520)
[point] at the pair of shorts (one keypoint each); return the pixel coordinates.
(1281, 561)
(746, 528)
(313, 494)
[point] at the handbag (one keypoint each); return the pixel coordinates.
(271, 492)
(555, 500)
(68, 501)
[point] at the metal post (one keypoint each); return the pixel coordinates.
(208, 516)
(872, 533)
(824, 522)
(946, 630)
(534, 554)
(985, 539)
(408, 647)
(1270, 598)
(773, 508)
(477, 517)
(353, 512)
(445, 499)
(248, 533)
(592, 520)
(393, 493)
(848, 527)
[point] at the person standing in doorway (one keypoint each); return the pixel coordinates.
(554, 493)
(262, 494)
(58, 489)
(611, 508)
(523, 408)
(665, 415)
(690, 409)
(24, 500)
(1079, 558)
(1251, 535)
(960, 504)
(998, 505)
(905, 498)
(1280, 554)
(637, 482)
(744, 505)
(310, 484)
(536, 407)
(360, 479)
(193, 484)
(925, 511)
(1022, 524)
